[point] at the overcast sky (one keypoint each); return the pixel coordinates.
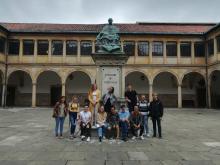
(98, 11)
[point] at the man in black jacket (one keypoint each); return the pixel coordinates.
(156, 114)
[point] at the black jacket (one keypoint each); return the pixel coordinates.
(156, 109)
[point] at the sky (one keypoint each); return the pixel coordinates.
(98, 11)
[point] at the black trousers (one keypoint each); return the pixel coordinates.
(135, 130)
(156, 124)
(85, 130)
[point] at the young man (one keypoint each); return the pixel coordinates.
(136, 123)
(131, 98)
(85, 123)
(143, 106)
(124, 122)
(156, 114)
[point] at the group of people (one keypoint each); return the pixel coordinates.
(101, 113)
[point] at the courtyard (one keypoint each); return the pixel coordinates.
(190, 137)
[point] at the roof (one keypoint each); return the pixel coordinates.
(129, 28)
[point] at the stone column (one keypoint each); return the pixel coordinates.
(78, 51)
(179, 96)
(215, 48)
(150, 92)
(20, 50)
(50, 50)
(164, 52)
(34, 87)
(122, 46)
(192, 52)
(209, 96)
(178, 52)
(63, 89)
(3, 94)
(64, 50)
(150, 52)
(93, 46)
(122, 82)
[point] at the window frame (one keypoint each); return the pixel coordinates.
(171, 43)
(128, 52)
(196, 49)
(3, 48)
(42, 54)
(185, 53)
(81, 48)
(18, 47)
(27, 40)
(72, 54)
(53, 49)
(147, 48)
(155, 48)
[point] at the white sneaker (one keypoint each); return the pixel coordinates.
(148, 135)
(103, 137)
(142, 137)
(88, 139)
(133, 138)
(82, 137)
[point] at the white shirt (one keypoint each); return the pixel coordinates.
(85, 116)
(94, 95)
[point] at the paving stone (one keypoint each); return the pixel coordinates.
(137, 156)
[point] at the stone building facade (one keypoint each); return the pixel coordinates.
(179, 61)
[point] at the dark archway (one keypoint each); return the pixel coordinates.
(215, 89)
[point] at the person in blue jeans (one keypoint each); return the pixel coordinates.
(59, 113)
(101, 122)
(124, 122)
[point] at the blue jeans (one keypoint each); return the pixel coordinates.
(72, 118)
(124, 127)
(59, 125)
(145, 123)
(101, 131)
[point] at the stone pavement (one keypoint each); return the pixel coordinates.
(190, 137)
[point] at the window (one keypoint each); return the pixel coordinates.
(86, 47)
(211, 47)
(218, 43)
(57, 47)
(129, 48)
(185, 49)
(13, 47)
(171, 49)
(143, 48)
(42, 47)
(199, 49)
(157, 48)
(2, 44)
(28, 47)
(71, 47)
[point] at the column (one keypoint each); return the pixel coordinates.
(78, 51)
(179, 96)
(164, 52)
(64, 50)
(63, 89)
(150, 52)
(178, 52)
(215, 48)
(150, 92)
(209, 96)
(3, 94)
(122, 83)
(50, 50)
(93, 46)
(34, 94)
(192, 52)
(20, 50)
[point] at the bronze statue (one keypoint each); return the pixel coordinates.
(108, 40)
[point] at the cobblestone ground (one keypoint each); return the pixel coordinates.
(190, 137)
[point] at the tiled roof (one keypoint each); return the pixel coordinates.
(148, 28)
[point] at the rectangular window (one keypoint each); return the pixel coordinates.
(86, 47)
(71, 47)
(129, 48)
(199, 49)
(2, 45)
(185, 49)
(171, 48)
(57, 47)
(143, 48)
(42, 47)
(28, 47)
(13, 47)
(211, 47)
(157, 48)
(218, 43)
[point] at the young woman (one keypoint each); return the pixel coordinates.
(113, 123)
(109, 100)
(73, 115)
(101, 122)
(59, 113)
(85, 123)
(94, 97)
(136, 123)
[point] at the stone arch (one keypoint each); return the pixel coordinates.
(166, 71)
(20, 69)
(191, 71)
(39, 72)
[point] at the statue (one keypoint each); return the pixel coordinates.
(108, 40)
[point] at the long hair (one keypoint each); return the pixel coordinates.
(64, 100)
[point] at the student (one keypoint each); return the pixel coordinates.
(136, 123)
(124, 122)
(131, 98)
(94, 97)
(143, 106)
(156, 114)
(109, 100)
(101, 122)
(85, 117)
(59, 113)
(73, 115)
(113, 123)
